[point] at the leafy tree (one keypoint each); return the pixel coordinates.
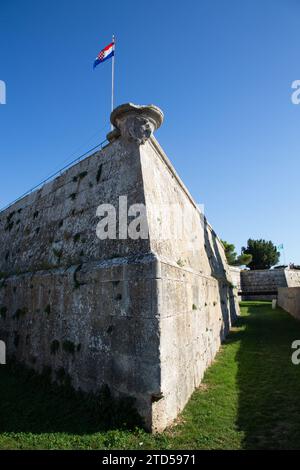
(264, 254)
(232, 258)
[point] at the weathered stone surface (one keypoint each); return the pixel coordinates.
(235, 273)
(144, 316)
(289, 300)
(292, 277)
(135, 123)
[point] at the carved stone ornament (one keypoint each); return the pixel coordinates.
(135, 123)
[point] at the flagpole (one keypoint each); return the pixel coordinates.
(113, 78)
(284, 258)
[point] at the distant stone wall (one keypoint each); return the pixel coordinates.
(289, 300)
(143, 316)
(264, 284)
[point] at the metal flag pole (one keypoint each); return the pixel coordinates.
(113, 77)
(284, 258)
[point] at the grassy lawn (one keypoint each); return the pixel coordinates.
(249, 399)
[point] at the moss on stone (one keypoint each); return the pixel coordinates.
(47, 309)
(54, 347)
(3, 311)
(20, 312)
(69, 346)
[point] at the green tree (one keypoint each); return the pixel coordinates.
(264, 254)
(232, 258)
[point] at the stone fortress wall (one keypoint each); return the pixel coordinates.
(263, 284)
(289, 300)
(143, 316)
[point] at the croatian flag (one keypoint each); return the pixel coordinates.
(106, 53)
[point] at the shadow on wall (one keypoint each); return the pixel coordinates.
(30, 403)
(219, 273)
(268, 382)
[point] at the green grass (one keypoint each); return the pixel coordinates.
(249, 399)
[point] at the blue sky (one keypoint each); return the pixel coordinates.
(221, 72)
